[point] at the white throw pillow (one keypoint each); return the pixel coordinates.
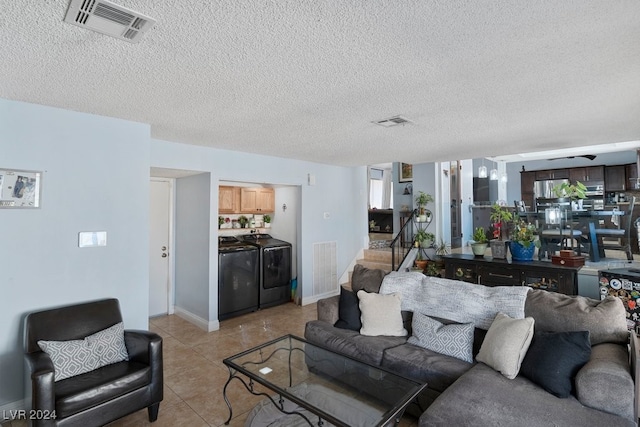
(506, 344)
(455, 339)
(75, 357)
(381, 314)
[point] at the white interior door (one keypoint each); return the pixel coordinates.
(159, 277)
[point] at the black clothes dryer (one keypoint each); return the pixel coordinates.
(275, 268)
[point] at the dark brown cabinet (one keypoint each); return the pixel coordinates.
(490, 272)
(632, 176)
(587, 175)
(614, 178)
(552, 174)
(527, 182)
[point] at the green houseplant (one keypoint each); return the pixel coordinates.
(500, 217)
(575, 192)
(267, 220)
(424, 239)
(524, 241)
(422, 200)
(420, 262)
(220, 221)
(243, 220)
(479, 245)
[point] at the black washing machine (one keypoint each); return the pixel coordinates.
(238, 278)
(275, 268)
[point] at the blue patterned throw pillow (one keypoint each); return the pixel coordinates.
(455, 340)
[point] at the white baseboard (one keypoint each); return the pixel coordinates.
(201, 323)
(12, 410)
(315, 298)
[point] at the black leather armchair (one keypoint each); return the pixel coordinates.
(103, 395)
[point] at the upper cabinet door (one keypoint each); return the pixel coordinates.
(228, 199)
(587, 175)
(552, 174)
(614, 178)
(257, 200)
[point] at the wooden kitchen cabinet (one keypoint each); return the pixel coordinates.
(257, 200)
(527, 182)
(587, 175)
(552, 174)
(228, 199)
(498, 272)
(614, 178)
(631, 172)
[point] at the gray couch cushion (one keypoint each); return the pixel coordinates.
(351, 343)
(483, 397)
(366, 279)
(438, 370)
(605, 382)
(605, 320)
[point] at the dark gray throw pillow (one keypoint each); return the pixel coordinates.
(366, 279)
(348, 311)
(554, 359)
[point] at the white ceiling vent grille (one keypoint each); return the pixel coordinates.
(108, 18)
(392, 121)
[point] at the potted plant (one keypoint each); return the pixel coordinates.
(420, 262)
(479, 245)
(243, 220)
(441, 248)
(267, 221)
(500, 216)
(422, 200)
(524, 241)
(575, 192)
(433, 269)
(220, 222)
(424, 239)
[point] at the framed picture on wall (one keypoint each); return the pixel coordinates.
(19, 188)
(406, 172)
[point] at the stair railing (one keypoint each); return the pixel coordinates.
(403, 242)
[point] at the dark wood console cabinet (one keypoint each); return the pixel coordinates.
(499, 272)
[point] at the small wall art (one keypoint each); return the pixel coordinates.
(19, 188)
(406, 172)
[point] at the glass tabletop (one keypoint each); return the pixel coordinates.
(336, 388)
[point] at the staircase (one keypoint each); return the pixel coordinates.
(375, 259)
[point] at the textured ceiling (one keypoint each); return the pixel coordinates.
(305, 80)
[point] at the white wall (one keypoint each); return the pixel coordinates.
(95, 178)
(285, 222)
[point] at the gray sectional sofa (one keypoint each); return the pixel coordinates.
(473, 393)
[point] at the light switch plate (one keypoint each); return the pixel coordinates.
(89, 239)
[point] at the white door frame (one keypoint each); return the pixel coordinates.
(171, 250)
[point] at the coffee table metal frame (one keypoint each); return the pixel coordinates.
(394, 413)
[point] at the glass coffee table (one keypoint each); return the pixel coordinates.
(321, 386)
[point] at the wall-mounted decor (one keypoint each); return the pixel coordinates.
(19, 188)
(406, 172)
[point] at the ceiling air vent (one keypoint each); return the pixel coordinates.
(392, 121)
(108, 18)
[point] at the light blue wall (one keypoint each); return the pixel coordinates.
(338, 191)
(192, 255)
(95, 178)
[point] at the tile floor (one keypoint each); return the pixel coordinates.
(194, 374)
